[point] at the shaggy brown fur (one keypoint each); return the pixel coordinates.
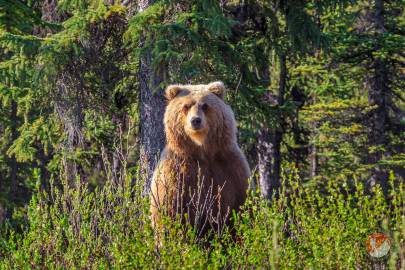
(199, 162)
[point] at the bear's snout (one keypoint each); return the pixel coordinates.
(196, 122)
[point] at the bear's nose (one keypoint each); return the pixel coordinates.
(196, 122)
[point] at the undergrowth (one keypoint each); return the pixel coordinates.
(305, 227)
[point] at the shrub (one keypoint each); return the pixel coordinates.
(305, 227)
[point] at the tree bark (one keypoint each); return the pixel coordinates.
(378, 95)
(152, 107)
(264, 161)
(275, 181)
(67, 100)
(300, 151)
(269, 144)
(264, 147)
(69, 108)
(43, 161)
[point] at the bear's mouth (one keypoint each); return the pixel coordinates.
(197, 129)
(198, 136)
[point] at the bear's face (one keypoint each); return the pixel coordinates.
(196, 122)
(196, 113)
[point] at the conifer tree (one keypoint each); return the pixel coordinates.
(152, 104)
(292, 33)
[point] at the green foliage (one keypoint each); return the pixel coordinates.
(69, 90)
(319, 227)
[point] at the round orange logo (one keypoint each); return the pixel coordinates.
(378, 245)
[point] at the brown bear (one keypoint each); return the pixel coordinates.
(202, 174)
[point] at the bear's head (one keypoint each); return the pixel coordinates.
(197, 118)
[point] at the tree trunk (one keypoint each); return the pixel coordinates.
(378, 95)
(264, 161)
(300, 150)
(69, 108)
(67, 100)
(152, 107)
(43, 161)
(275, 181)
(264, 147)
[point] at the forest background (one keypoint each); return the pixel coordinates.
(317, 88)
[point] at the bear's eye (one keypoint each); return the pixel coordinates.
(204, 106)
(186, 107)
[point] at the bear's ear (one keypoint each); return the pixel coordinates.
(217, 88)
(172, 91)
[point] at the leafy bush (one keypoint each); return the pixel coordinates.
(311, 227)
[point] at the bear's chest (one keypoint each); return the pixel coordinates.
(212, 171)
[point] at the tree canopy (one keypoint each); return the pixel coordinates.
(317, 88)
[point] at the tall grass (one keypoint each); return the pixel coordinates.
(306, 227)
